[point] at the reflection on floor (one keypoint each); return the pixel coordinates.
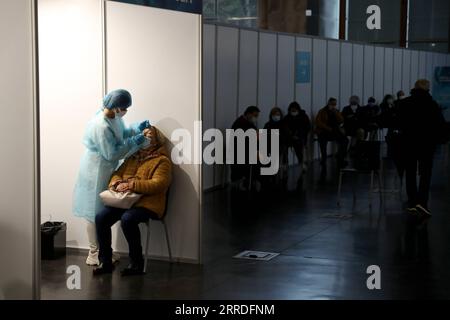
(325, 250)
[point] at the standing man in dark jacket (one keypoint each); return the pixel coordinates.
(421, 124)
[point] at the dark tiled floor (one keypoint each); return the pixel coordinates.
(322, 257)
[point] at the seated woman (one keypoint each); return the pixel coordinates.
(147, 172)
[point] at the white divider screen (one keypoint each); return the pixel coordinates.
(346, 73)
(319, 75)
(156, 55)
(209, 92)
(358, 70)
(285, 71)
(378, 77)
(70, 61)
(18, 279)
(248, 70)
(388, 71)
(369, 71)
(267, 76)
(303, 92)
(333, 70)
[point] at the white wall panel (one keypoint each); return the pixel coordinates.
(319, 75)
(398, 70)
(369, 71)
(388, 71)
(303, 92)
(267, 74)
(414, 67)
(286, 71)
(227, 77)
(248, 69)
(406, 72)
(70, 52)
(379, 74)
(430, 68)
(422, 64)
(16, 198)
(143, 49)
(346, 73)
(358, 70)
(209, 92)
(333, 71)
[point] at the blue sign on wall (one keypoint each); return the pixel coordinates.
(441, 89)
(192, 6)
(303, 67)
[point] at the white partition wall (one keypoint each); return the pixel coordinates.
(259, 67)
(286, 71)
(398, 66)
(267, 74)
(303, 91)
(319, 75)
(388, 71)
(333, 69)
(358, 70)
(248, 70)
(19, 277)
(346, 73)
(71, 91)
(406, 71)
(156, 54)
(378, 74)
(369, 73)
(209, 92)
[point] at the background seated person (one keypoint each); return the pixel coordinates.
(370, 115)
(240, 173)
(353, 124)
(147, 172)
(296, 126)
(329, 122)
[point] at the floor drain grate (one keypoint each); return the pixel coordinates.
(256, 255)
(337, 216)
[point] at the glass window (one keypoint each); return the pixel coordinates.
(235, 12)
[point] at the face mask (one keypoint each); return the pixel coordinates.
(371, 104)
(121, 113)
(390, 101)
(253, 120)
(276, 118)
(354, 107)
(147, 143)
(294, 113)
(402, 97)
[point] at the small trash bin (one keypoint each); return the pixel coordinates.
(53, 240)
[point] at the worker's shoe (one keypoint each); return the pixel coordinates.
(133, 269)
(104, 268)
(92, 258)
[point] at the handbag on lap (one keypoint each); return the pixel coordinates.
(121, 200)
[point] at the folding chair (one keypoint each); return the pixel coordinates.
(147, 242)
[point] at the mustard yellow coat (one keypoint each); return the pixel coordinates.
(152, 179)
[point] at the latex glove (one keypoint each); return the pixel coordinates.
(139, 139)
(123, 187)
(144, 125)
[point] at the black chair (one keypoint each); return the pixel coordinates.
(162, 220)
(367, 160)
